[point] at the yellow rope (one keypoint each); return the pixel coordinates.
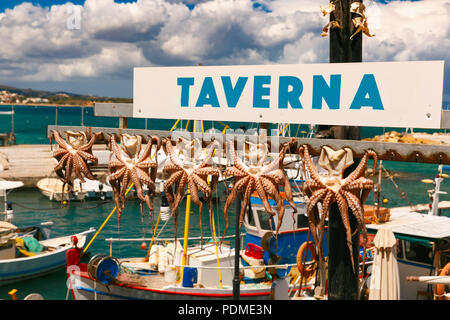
(217, 250)
(175, 125)
(153, 237)
(104, 222)
(279, 133)
(186, 231)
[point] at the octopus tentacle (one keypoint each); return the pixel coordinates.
(343, 209)
(87, 156)
(57, 137)
(59, 152)
(81, 165)
(195, 199)
(262, 195)
(313, 200)
(238, 185)
(88, 146)
(62, 162)
(359, 171)
(329, 198)
(308, 163)
(357, 210)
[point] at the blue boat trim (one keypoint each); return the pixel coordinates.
(415, 264)
(104, 293)
(255, 200)
(47, 267)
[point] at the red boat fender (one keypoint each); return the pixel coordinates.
(254, 251)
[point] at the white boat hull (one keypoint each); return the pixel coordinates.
(85, 288)
(18, 269)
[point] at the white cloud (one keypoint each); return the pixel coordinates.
(37, 45)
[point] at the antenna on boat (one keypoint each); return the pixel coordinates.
(434, 193)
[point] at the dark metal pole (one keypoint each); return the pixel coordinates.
(342, 281)
(237, 249)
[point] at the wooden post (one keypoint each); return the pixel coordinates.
(342, 281)
(237, 257)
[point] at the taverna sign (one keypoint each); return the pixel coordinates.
(390, 94)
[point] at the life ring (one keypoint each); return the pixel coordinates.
(308, 270)
(439, 289)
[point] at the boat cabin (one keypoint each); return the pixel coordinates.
(423, 246)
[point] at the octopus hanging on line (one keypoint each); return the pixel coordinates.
(260, 177)
(346, 192)
(132, 164)
(182, 170)
(73, 156)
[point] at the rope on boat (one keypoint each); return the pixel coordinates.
(104, 223)
(58, 208)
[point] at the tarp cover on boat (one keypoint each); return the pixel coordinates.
(32, 244)
(7, 231)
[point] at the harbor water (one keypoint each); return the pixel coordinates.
(31, 207)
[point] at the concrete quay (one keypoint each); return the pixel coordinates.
(31, 162)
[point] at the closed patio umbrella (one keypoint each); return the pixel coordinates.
(385, 282)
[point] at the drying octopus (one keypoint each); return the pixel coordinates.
(183, 170)
(264, 178)
(73, 156)
(132, 164)
(346, 192)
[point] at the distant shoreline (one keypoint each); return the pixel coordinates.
(50, 104)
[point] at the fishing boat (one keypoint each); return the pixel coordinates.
(209, 269)
(89, 190)
(29, 251)
(423, 239)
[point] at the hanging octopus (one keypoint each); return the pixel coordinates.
(183, 170)
(132, 164)
(330, 188)
(73, 156)
(264, 178)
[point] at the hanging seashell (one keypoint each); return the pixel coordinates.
(329, 25)
(328, 9)
(360, 22)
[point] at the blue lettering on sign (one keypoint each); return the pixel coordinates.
(290, 90)
(233, 94)
(286, 96)
(331, 94)
(367, 94)
(185, 83)
(207, 94)
(259, 91)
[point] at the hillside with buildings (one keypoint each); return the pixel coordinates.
(11, 95)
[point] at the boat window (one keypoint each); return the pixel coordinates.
(418, 252)
(250, 218)
(400, 249)
(302, 221)
(264, 217)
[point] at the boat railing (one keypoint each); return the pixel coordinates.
(161, 239)
(277, 266)
(111, 240)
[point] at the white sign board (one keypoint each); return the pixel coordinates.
(388, 94)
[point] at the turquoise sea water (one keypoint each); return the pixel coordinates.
(31, 207)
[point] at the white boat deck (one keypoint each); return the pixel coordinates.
(416, 224)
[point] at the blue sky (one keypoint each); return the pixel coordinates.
(92, 47)
(9, 4)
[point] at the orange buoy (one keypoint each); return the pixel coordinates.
(439, 289)
(308, 270)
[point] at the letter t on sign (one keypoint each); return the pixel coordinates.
(185, 83)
